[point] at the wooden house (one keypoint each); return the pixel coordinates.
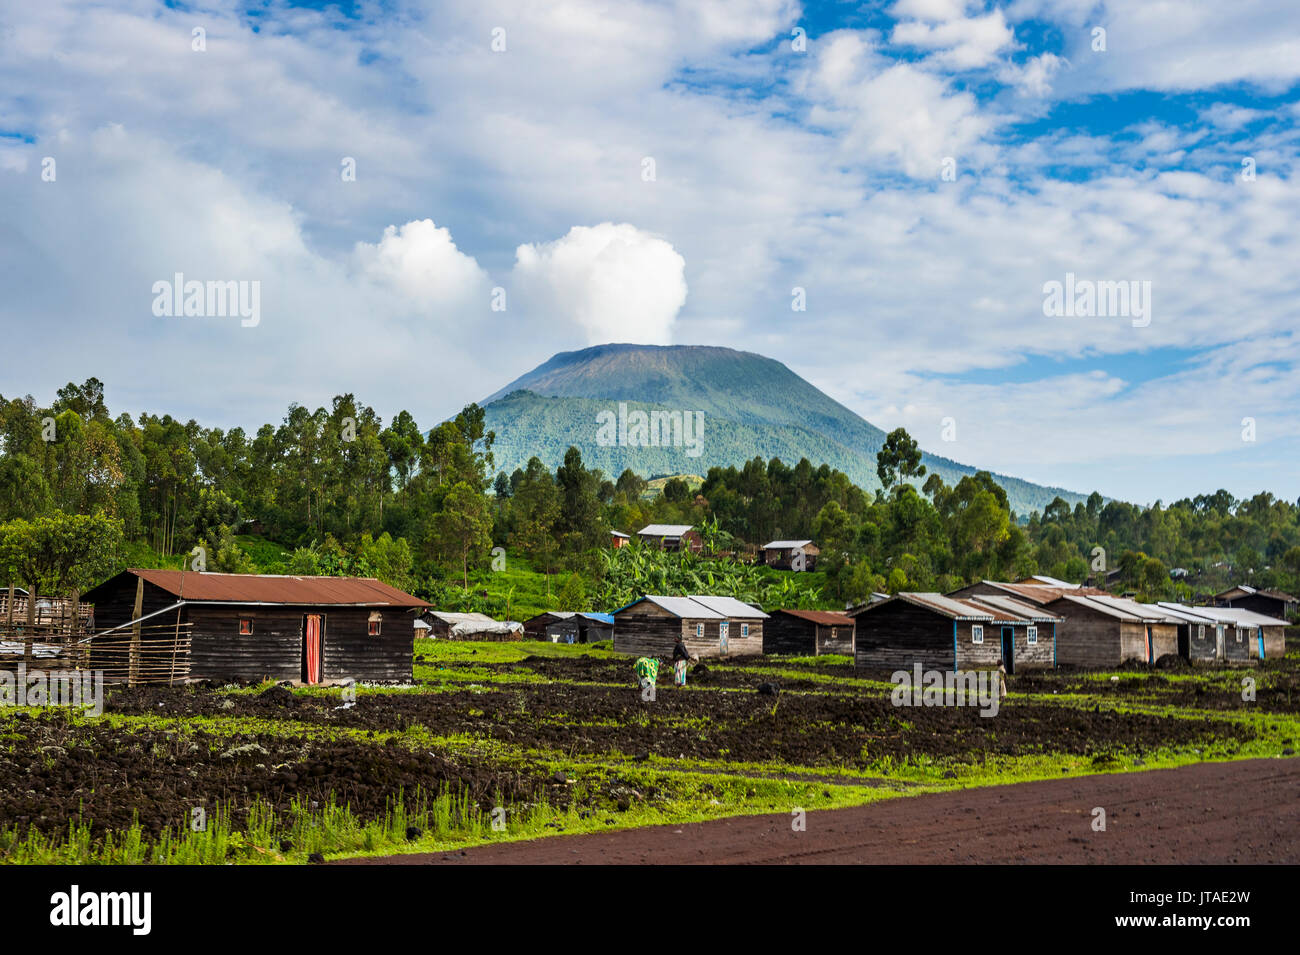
(710, 626)
(1201, 638)
(618, 540)
(446, 625)
(258, 627)
(1266, 603)
(563, 626)
(1228, 634)
(1104, 631)
(672, 537)
(791, 555)
(808, 632)
(948, 633)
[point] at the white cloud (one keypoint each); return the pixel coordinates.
(1034, 76)
(774, 170)
(892, 112)
(422, 262)
(960, 43)
(617, 282)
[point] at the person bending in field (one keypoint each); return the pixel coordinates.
(647, 671)
(1002, 679)
(681, 657)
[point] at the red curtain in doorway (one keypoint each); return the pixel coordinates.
(313, 648)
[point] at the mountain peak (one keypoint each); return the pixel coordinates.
(752, 405)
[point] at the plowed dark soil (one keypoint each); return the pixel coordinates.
(1211, 813)
(842, 730)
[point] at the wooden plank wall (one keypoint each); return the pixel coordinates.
(786, 633)
(648, 630)
(1037, 656)
(899, 635)
(274, 650)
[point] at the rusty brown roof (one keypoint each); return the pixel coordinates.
(268, 588)
(1042, 593)
(823, 618)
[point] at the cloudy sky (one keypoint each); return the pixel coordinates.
(668, 172)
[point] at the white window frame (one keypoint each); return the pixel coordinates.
(744, 630)
(1200, 631)
(977, 633)
(699, 631)
(1031, 636)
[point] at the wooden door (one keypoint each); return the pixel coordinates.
(312, 648)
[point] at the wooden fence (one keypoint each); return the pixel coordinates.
(144, 654)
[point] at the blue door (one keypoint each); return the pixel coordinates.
(1259, 631)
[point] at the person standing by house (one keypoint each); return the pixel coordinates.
(1002, 679)
(681, 657)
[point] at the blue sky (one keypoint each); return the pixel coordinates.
(921, 169)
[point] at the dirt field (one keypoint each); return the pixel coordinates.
(1213, 813)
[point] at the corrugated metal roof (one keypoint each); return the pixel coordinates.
(1047, 581)
(1015, 609)
(665, 530)
(782, 545)
(1122, 609)
(1185, 613)
(730, 607)
(683, 607)
(825, 618)
(267, 588)
(1042, 593)
(702, 607)
(955, 607)
(1238, 616)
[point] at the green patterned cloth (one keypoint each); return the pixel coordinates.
(647, 668)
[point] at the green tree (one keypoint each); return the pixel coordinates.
(57, 553)
(462, 530)
(898, 459)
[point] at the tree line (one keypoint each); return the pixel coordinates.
(83, 493)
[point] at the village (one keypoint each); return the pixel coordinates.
(548, 723)
(148, 627)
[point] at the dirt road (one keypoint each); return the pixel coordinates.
(1220, 813)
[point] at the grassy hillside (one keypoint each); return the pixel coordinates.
(791, 421)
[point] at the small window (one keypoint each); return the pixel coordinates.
(1200, 631)
(1031, 635)
(744, 629)
(1239, 632)
(977, 633)
(245, 627)
(835, 632)
(699, 631)
(373, 624)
